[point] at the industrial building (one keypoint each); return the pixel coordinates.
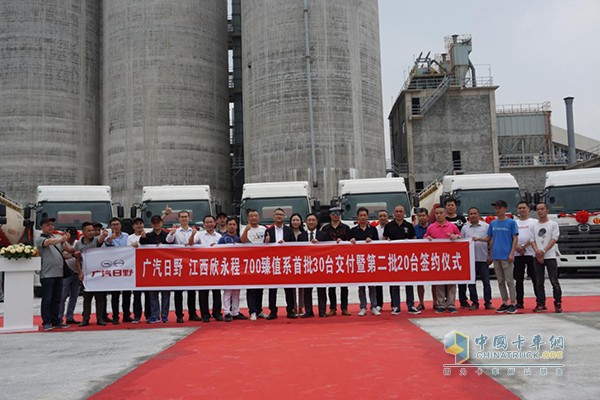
(445, 121)
(129, 93)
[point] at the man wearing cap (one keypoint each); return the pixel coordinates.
(337, 231)
(221, 227)
(157, 236)
(503, 233)
(51, 274)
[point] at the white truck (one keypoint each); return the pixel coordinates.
(473, 190)
(70, 206)
(195, 199)
(292, 197)
(375, 194)
(573, 198)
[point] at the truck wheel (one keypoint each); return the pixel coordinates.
(37, 291)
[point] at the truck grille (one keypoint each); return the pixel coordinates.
(573, 241)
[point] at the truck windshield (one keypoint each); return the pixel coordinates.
(484, 198)
(73, 214)
(266, 208)
(373, 202)
(197, 209)
(570, 199)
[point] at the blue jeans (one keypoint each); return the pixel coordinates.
(362, 296)
(165, 297)
(51, 296)
(70, 289)
(395, 295)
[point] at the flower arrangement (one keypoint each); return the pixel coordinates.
(18, 251)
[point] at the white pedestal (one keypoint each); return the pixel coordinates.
(18, 294)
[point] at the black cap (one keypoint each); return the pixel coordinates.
(335, 209)
(155, 218)
(138, 219)
(46, 220)
(97, 225)
(500, 203)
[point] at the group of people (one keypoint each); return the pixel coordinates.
(513, 246)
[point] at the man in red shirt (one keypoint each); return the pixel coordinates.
(442, 229)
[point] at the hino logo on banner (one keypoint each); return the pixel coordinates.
(112, 263)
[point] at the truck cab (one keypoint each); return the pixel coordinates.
(292, 197)
(473, 190)
(71, 206)
(573, 199)
(374, 194)
(195, 199)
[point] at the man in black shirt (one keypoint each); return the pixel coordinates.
(459, 220)
(337, 231)
(157, 237)
(367, 233)
(314, 236)
(399, 229)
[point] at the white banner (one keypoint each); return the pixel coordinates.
(109, 268)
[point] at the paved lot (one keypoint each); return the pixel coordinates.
(73, 365)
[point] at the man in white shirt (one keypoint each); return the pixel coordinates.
(181, 236)
(524, 253)
(208, 237)
(134, 241)
(254, 233)
(545, 234)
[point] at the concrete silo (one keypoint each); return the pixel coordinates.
(165, 96)
(49, 94)
(335, 115)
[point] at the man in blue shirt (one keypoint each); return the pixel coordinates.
(503, 233)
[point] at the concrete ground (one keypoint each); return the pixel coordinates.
(74, 365)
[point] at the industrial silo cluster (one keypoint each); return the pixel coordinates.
(129, 93)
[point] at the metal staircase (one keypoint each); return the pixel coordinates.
(435, 95)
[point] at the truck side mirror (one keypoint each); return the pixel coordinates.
(316, 206)
(133, 212)
(27, 212)
(2, 214)
(443, 199)
(415, 200)
(528, 198)
(218, 208)
(537, 197)
(120, 211)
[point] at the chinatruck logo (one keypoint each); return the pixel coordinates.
(457, 344)
(535, 354)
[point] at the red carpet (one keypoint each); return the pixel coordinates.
(339, 357)
(336, 357)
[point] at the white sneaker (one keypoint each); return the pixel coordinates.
(375, 311)
(413, 310)
(362, 312)
(395, 311)
(262, 315)
(378, 308)
(253, 317)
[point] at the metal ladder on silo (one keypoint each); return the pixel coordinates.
(435, 95)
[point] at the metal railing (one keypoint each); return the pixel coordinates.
(523, 108)
(528, 160)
